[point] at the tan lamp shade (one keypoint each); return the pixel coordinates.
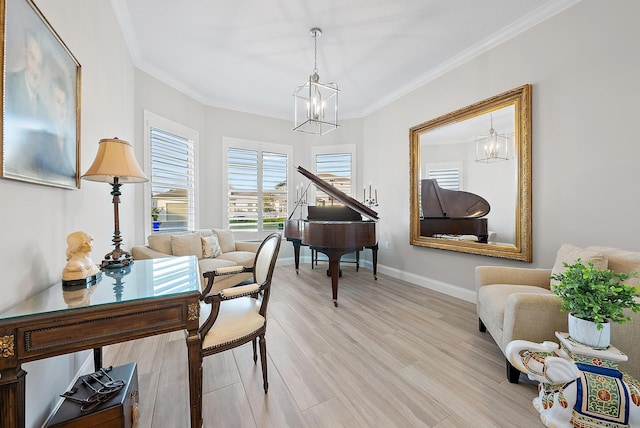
(115, 158)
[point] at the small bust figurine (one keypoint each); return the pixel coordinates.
(79, 265)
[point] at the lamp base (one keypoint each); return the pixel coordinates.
(116, 259)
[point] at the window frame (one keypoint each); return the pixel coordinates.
(152, 120)
(333, 150)
(260, 147)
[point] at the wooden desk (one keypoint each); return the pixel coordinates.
(157, 296)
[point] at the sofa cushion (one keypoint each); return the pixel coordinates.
(160, 242)
(621, 261)
(207, 265)
(570, 254)
(240, 258)
(210, 247)
(186, 245)
(225, 237)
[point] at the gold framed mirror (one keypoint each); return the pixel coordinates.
(470, 178)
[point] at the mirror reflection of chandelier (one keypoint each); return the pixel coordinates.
(492, 147)
(315, 103)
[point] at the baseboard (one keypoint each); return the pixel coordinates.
(432, 284)
(422, 281)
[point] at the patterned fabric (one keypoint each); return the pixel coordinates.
(602, 400)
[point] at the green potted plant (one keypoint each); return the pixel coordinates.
(594, 298)
(155, 211)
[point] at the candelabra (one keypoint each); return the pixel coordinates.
(372, 200)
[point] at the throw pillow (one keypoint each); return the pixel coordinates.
(210, 247)
(570, 253)
(225, 237)
(187, 245)
(160, 242)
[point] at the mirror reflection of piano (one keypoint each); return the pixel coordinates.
(334, 230)
(452, 213)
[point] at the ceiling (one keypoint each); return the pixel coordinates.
(249, 55)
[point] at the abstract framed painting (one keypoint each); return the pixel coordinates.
(41, 100)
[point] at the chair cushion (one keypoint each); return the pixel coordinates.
(225, 237)
(238, 318)
(210, 247)
(186, 245)
(570, 254)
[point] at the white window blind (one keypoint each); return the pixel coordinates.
(335, 169)
(172, 181)
(257, 189)
(447, 178)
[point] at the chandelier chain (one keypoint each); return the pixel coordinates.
(315, 53)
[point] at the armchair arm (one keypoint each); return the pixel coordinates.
(222, 271)
(534, 317)
(235, 292)
(486, 275)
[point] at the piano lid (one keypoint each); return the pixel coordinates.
(339, 195)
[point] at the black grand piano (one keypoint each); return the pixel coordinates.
(452, 212)
(334, 230)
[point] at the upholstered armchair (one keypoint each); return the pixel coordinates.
(511, 302)
(517, 303)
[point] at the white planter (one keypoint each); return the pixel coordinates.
(585, 332)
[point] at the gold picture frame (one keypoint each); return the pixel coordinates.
(41, 100)
(517, 101)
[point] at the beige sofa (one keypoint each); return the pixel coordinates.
(517, 303)
(202, 244)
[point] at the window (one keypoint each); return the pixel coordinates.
(335, 166)
(256, 188)
(171, 169)
(448, 176)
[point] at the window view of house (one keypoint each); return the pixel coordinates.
(257, 189)
(172, 182)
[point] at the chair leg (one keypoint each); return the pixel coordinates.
(255, 355)
(481, 326)
(263, 360)
(513, 374)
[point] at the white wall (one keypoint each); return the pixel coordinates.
(583, 66)
(37, 219)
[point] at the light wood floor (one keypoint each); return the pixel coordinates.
(391, 355)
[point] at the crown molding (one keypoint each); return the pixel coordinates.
(534, 18)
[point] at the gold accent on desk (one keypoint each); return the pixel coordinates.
(194, 311)
(6, 346)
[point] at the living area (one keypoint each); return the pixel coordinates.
(584, 96)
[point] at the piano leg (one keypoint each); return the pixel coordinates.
(374, 259)
(334, 267)
(296, 254)
(357, 260)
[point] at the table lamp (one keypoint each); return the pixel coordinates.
(115, 164)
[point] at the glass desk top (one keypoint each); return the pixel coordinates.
(143, 279)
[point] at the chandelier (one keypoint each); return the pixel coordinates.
(492, 147)
(315, 103)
